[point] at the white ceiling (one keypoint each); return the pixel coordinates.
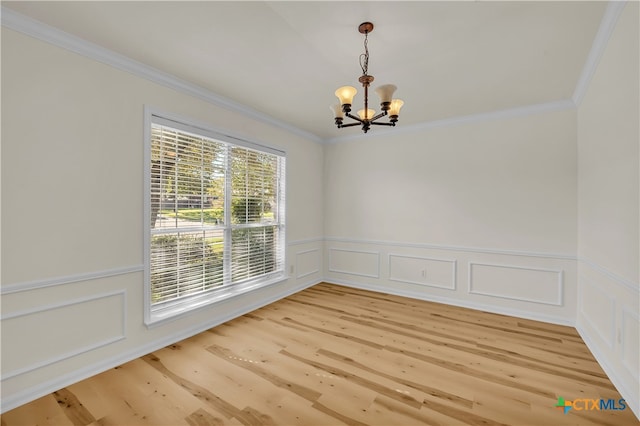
(448, 59)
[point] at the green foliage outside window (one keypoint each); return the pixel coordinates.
(191, 264)
(190, 178)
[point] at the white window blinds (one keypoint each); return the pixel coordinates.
(216, 215)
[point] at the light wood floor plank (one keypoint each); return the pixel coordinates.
(334, 355)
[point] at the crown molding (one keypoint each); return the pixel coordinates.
(607, 25)
(605, 30)
(49, 34)
(467, 119)
(31, 27)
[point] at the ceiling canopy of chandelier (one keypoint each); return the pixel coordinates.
(366, 117)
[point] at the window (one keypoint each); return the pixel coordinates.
(215, 217)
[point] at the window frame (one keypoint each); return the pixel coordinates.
(166, 311)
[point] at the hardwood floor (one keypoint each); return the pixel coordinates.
(333, 355)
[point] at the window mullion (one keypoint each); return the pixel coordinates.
(281, 209)
(175, 210)
(175, 182)
(203, 253)
(202, 172)
(226, 258)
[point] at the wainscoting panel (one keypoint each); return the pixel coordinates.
(598, 308)
(423, 270)
(354, 262)
(77, 328)
(534, 285)
(630, 345)
(516, 282)
(56, 327)
(308, 262)
(609, 323)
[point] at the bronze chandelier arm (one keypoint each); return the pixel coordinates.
(358, 119)
(348, 125)
(382, 114)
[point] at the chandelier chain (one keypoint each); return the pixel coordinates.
(364, 57)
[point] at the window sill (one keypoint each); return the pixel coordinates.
(167, 314)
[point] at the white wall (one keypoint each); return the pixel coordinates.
(480, 214)
(72, 224)
(488, 214)
(608, 209)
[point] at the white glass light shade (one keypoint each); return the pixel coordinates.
(370, 114)
(386, 92)
(345, 94)
(395, 106)
(337, 111)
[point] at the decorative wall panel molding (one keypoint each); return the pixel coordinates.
(486, 250)
(626, 385)
(305, 241)
(44, 388)
(56, 327)
(354, 262)
(598, 308)
(68, 279)
(535, 285)
(630, 344)
(630, 285)
(308, 262)
(429, 271)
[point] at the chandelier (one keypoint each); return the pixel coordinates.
(366, 117)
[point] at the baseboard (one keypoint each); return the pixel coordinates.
(455, 302)
(42, 389)
(628, 395)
